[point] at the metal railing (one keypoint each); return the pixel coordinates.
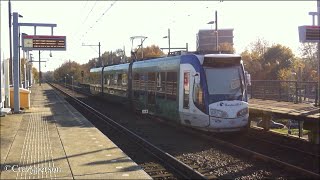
(290, 91)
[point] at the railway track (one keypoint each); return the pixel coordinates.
(165, 166)
(203, 160)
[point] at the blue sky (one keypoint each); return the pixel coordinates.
(274, 21)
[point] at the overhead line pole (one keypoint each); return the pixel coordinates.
(99, 45)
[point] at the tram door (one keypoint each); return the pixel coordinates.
(184, 103)
(150, 94)
(189, 113)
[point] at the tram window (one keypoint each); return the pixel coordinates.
(136, 85)
(108, 80)
(161, 82)
(186, 89)
(158, 80)
(111, 79)
(171, 85)
(136, 81)
(198, 97)
(115, 79)
(124, 79)
(143, 79)
(151, 81)
(119, 80)
(160, 85)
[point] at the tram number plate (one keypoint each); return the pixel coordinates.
(144, 111)
(232, 122)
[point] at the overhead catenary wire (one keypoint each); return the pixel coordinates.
(89, 12)
(91, 27)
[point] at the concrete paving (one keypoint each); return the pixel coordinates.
(53, 140)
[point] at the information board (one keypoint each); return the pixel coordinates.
(37, 42)
(309, 34)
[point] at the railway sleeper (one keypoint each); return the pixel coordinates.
(154, 170)
(161, 175)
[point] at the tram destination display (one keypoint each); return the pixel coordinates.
(36, 42)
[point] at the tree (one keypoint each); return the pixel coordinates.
(310, 60)
(149, 52)
(226, 47)
(259, 47)
(251, 63)
(276, 57)
(22, 77)
(68, 69)
(253, 58)
(35, 74)
(114, 57)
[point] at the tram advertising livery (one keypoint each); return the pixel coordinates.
(207, 92)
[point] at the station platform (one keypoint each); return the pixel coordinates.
(52, 140)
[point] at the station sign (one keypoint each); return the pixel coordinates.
(309, 34)
(39, 42)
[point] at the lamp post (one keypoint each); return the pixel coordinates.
(168, 38)
(216, 29)
(65, 81)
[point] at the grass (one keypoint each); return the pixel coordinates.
(293, 131)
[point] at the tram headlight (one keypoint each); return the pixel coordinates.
(243, 112)
(218, 113)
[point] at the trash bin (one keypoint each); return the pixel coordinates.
(24, 98)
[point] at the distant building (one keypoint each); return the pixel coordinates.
(206, 38)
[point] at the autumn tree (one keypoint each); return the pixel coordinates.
(253, 58)
(310, 60)
(35, 74)
(259, 48)
(22, 69)
(269, 63)
(149, 52)
(67, 70)
(276, 57)
(226, 47)
(252, 63)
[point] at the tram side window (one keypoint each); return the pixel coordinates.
(158, 80)
(161, 84)
(94, 78)
(198, 97)
(171, 85)
(151, 88)
(111, 80)
(151, 81)
(186, 89)
(108, 80)
(119, 80)
(136, 85)
(115, 80)
(124, 79)
(143, 78)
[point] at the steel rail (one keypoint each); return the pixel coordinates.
(169, 161)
